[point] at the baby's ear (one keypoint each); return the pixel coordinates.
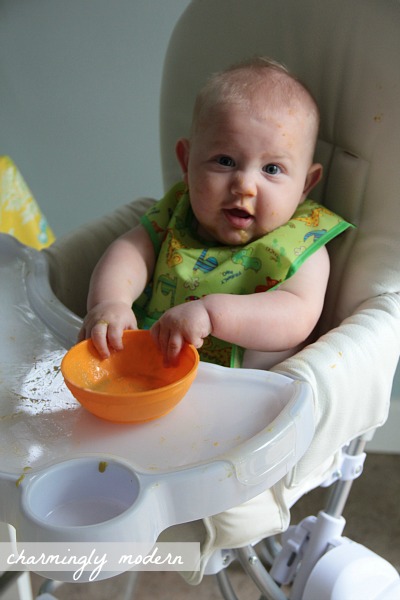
(313, 177)
(182, 150)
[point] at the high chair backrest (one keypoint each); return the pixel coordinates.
(347, 52)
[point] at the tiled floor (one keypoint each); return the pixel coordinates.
(373, 519)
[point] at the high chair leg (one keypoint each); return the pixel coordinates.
(254, 568)
(269, 549)
(49, 586)
(252, 565)
(352, 466)
(225, 585)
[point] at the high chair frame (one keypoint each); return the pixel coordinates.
(350, 365)
(354, 572)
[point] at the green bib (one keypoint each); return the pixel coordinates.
(189, 268)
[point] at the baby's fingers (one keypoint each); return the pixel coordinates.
(99, 338)
(114, 336)
(168, 343)
(173, 348)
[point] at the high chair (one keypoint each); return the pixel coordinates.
(347, 53)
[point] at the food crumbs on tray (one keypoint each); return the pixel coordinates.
(103, 466)
(20, 480)
(22, 477)
(228, 474)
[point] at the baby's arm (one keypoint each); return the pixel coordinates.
(267, 321)
(117, 280)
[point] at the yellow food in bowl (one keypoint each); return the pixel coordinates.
(132, 384)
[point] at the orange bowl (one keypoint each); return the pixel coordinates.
(131, 385)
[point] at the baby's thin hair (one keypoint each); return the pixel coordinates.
(240, 83)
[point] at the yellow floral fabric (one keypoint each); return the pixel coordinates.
(20, 215)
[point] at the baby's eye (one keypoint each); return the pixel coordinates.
(272, 169)
(226, 161)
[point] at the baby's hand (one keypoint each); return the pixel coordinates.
(105, 324)
(183, 323)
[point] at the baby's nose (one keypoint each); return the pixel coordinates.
(244, 186)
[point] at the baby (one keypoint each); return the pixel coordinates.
(234, 256)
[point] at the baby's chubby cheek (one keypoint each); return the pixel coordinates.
(272, 221)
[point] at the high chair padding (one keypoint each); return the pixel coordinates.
(74, 256)
(347, 52)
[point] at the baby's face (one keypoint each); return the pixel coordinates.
(247, 173)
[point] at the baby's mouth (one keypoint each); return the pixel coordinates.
(238, 217)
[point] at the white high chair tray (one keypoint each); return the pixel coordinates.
(234, 434)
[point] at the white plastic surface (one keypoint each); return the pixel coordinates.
(234, 434)
(352, 572)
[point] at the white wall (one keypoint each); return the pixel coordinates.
(79, 91)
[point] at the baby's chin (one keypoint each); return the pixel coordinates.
(239, 237)
(232, 237)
